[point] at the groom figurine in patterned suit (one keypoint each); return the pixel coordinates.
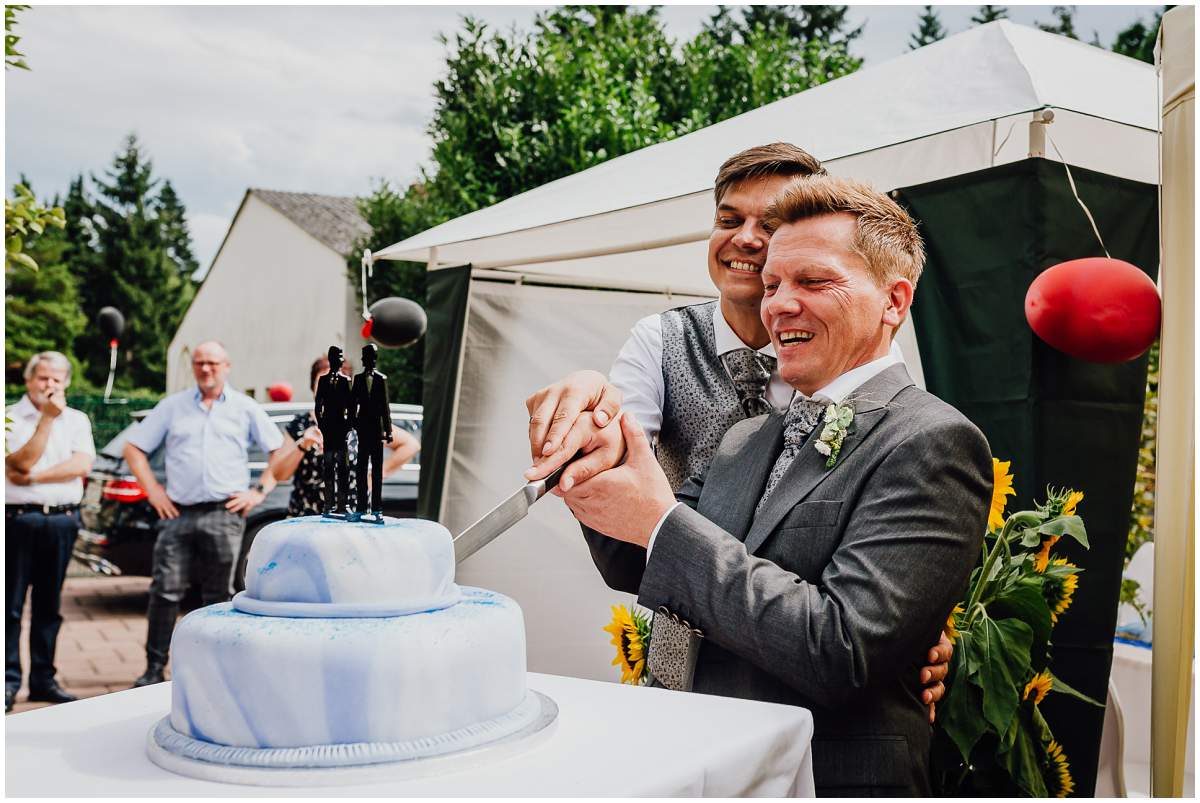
(819, 552)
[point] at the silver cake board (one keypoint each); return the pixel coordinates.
(166, 747)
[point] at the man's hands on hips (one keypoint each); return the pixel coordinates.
(557, 424)
(162, 504)
(626, 502)
(245, 501)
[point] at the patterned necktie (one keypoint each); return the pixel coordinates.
(801, 419)
(751, 372)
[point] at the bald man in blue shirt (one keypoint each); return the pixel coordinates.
(207, 430)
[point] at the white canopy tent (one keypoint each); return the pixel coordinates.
(559, 273)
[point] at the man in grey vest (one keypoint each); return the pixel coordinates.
(824, 546)
(690, 373)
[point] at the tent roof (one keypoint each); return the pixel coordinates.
(978, 76)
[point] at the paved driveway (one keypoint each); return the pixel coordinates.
(102, 644)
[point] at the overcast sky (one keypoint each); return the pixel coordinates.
(306, 99)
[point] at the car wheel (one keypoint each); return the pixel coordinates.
(239, 574)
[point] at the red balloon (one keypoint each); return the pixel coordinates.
(1094, 309)
(280, 392)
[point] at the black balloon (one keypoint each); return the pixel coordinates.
(112, 322)
(396, 322)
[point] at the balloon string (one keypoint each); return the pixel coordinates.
(112, 369)
(368, 269)
(1075, 192)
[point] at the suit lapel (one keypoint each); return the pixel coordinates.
(808, 470)
(732, 507)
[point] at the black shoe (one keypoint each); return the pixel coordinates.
(10, 697)
(52, 693)
(152, 675)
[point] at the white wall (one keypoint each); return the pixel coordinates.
(276, 297)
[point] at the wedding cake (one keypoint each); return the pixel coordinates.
(351, 646)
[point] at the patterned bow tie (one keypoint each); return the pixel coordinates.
(751, 372)
(802, 418)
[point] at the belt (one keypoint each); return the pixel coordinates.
(201, 506)
(45, 510)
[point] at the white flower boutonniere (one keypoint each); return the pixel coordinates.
(837, 424)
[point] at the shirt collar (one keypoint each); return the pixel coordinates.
(837, 390)
(24, 408)
(727, 340)
(197, 396)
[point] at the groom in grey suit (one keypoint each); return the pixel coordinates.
(816, 562)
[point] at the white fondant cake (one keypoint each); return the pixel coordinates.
(351, 645)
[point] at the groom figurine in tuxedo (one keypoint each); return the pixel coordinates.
(373, 422)
(821, 550)
(334, 412)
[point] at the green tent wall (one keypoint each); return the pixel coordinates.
(1059, 420)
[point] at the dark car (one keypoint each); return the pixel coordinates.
(119, 526)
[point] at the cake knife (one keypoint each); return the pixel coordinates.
(503, 515)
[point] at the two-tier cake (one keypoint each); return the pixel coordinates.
(351, 646)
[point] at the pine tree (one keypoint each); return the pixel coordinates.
(987, 14)
(929, 29)
(1137, 41)
(143, 264)
(1064, 24)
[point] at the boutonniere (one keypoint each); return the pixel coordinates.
(837, 424)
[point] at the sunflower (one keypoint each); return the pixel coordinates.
(1060, 587)
(952, 623)
(630, 635)
(1042, 558)
(1057, 771)
(1002, 486)
(1038, 687)
(1073, 499)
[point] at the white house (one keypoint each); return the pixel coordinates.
(277, 293)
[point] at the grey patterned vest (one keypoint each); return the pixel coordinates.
(700, 403)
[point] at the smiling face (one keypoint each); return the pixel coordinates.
(824, 311)
(737, 247)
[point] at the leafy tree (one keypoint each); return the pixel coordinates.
(1137, 41)
(517, 109)
(929, 29)
(987, 14)
(41, 306)
(24, 220)
(12, 57)
(136, 267)
(1064, 24)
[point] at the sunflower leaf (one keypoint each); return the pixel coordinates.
(1023, 760)
(1063, 688)
(1002, 653)
(1066, 525)
(1024, 601)
(958, 714)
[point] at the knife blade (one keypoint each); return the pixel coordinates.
(503, 515)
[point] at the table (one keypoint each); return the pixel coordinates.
(609, 740)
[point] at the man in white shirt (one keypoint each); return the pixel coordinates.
(687, 375)
(50, 450)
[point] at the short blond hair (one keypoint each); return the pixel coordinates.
(886, 239)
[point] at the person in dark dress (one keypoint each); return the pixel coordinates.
(373, 422)
(302, 453)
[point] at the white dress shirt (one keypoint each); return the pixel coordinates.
(70, 433)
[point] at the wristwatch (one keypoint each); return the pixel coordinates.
(258, 486)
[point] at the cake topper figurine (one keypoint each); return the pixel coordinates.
(373, 421)
(334, 409)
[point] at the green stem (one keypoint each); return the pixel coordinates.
(1009, 526)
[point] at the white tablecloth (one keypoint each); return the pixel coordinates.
(610, 740)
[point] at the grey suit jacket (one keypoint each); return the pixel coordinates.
(830, 598)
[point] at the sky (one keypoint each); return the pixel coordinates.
(317, 99)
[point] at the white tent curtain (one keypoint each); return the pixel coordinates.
(519, 338)
(1174, 509)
